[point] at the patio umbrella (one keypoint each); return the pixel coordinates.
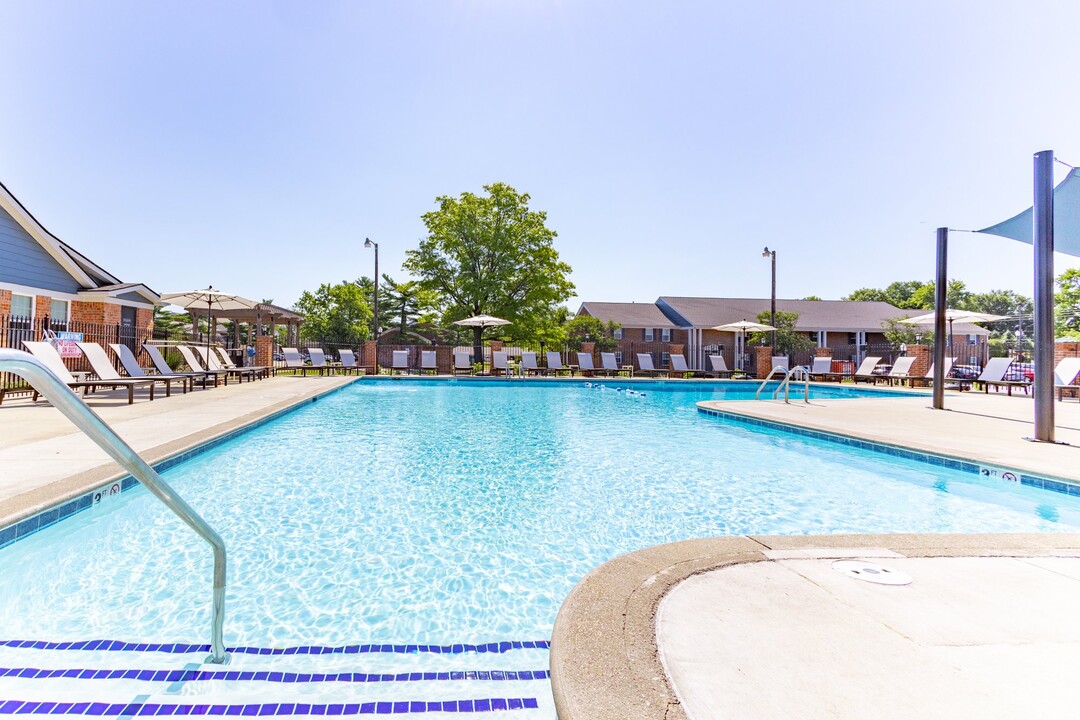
(480, 322)
(964, 316)
(210, 299)
(742, 327)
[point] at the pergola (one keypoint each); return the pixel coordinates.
(264, 317)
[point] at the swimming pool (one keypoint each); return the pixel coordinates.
(459, 512)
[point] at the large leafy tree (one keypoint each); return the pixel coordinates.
(585, 328)
(338, 311)
(788, 340)
(490, 254)
(407, 301)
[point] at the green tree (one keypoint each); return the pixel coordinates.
(335, 311)
(899, 333)
(386, 312)
(490, 254)
(407, 302)
(585, 328)
(1067, 303)
(172, 325)
(812, 297)
(788, 340)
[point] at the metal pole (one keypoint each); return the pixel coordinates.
(940, 287)
(1043, 217)
(368, 243)
(772, 319)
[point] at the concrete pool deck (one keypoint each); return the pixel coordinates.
(46, 460)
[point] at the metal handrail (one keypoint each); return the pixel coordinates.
(796, 373)
(67, 402)
(767, 379)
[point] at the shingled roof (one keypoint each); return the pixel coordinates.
(628, 315)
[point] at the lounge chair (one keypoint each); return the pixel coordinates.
(295, 361)
(1065, 375)
(265, 371)
(318, 360)
(994, 374)
(193, 362)
(528, 364)
(498, 362)
(348, 363)
(163, 368)
(679, 368)
(210, 360)
(428, 362)
(865, 371)
(462, 362)
(899, 371)
(719, 368)
(610, 364)
(780, 361)
(554, 364)
(645, 365)
(104, 369)
(585, 365)
(133, 369)
(51, 359)
(821, 369)
(400, 362)
(928, 378)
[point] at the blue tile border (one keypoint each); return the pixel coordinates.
(175, 676)
(370, 648)
(1064, 487)
(383, 707)
(28, 526)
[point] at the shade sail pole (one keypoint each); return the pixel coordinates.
(941, 285)
(1043, 232)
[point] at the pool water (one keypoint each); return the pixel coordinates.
(442, 512)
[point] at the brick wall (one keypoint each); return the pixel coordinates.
(924, 356)
(762, 361)
(5, 303)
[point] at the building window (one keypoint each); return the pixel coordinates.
(58, 311)
(22, 306)
(665, 335)
(648, 334)
(618, 333)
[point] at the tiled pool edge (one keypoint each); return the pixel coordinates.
(23, 527)
(1053, 484)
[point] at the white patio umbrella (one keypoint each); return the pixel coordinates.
(480, 321)
(211, 300)
(964, 316)
(742, 327)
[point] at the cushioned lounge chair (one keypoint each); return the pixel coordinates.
(400, 362)
(555, 366)
(528, 364)
(821, 370)
(210, 360)
(865, 371)
(51, 359)
(645, 365)
(679, 368)
(1065, 375)
(103, 368)
(264, 371)
(428, 362)
(163, 368)
(463, 362)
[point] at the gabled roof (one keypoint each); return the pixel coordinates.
(119, 289)
(827, 315)
(628, 315)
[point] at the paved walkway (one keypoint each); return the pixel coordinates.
(989, 429)
(44, 459)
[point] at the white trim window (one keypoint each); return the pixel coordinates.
(22, 306)
(58, 311)
(618, 333)
(665, 335)
(649, 335)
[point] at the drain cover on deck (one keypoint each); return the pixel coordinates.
(871, 572)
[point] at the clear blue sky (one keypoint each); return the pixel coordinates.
(253, 144)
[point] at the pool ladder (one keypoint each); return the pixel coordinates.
(799, 372)
(67, 402)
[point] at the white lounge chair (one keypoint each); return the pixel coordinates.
(428, 362)
(585, 364)
(554, 364)
(498, 362)
(163, 367)
(103, 368)
(994, 375)
(719, 368)
(295, 361)
(528, 364)
(348, 362)
(899, 371)
(193, 362)
(865, 371)
(463, 362)
(1065, 375)
(610, 364)
(51, 359)
(400, 362)
(679, 368)
(821, 369)
(133, 369)
(645, 364)
(210, 360)
(928, 378)
(780, 361)
(260, 370)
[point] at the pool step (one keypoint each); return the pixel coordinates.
(110, 679)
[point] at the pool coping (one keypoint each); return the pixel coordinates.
(42, 507)
(605, 662)
(962, 463)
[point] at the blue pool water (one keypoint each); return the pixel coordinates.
(443, 512)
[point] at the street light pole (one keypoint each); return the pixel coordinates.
(772, 306)
(369, 244)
